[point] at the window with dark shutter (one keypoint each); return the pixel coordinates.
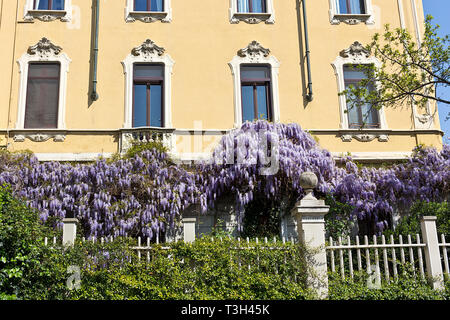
(42, 100)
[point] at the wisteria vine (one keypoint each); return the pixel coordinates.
(148, 193)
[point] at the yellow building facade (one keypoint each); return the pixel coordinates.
(194, 61)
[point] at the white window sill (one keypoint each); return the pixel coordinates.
(352, 18)
(47, 15)
(252, 18)
(148, 16)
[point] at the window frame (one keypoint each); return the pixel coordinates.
(48, 53)
(250, 6)
(252, 17)
(148, 81)
(131, 15)
(254, 54)
(144, 54)
(30, 13)
(354, 55)
(348, 2)
(361, 124)
(351, 18)
(254, 82)
(149, 4)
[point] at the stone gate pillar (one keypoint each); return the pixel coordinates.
(309, 213)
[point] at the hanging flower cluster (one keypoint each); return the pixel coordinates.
(139, 196)
(147, 194)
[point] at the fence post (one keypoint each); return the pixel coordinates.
(189, 229)
(69, 231)
(432, 254)
(310, 213)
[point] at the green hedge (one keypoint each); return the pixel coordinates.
(204, 269)
(407, 287)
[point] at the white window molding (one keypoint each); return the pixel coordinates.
(336, 17)
(47, 15)
(148, 16)
(43, 51)
(354, 55)
(254, 53)
(147, 52)
(252, 17)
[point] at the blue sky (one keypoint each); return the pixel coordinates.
(440, 10)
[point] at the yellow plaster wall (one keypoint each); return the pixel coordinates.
(201, 41)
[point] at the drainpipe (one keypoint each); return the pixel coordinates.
(12, 70)
(94, 94)
(309, 95)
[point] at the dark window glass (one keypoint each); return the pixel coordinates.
(49, 4)
(148, 5)
(352, 7)
(256, 6)
(148, 82)
(255, 88)
(359, 115)
(41, 110)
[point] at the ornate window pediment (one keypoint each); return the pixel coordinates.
(165, 15)
(237, 14)
(253, 51)
(43, 51)
(364, 14)
(32, 12)
(147, 49)
(355, 52)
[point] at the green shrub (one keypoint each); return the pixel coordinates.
(21, 234)
(407, 287)
(138, 147)
(410, 224)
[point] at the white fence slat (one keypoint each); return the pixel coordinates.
(358, 254)
(444, 253)
(419, 255)
(138, 250)
(385, 259)
(148, 249)
(377, 260)
(394, 259)
(333, 268)
(411, 255)
(402, 253)
(366, 241)
(341, 259)
(45, 241)
(350, 258)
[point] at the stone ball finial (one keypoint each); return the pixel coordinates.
(308, 181)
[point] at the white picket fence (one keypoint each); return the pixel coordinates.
(145, 249)
(426, 255)
(380, 257)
